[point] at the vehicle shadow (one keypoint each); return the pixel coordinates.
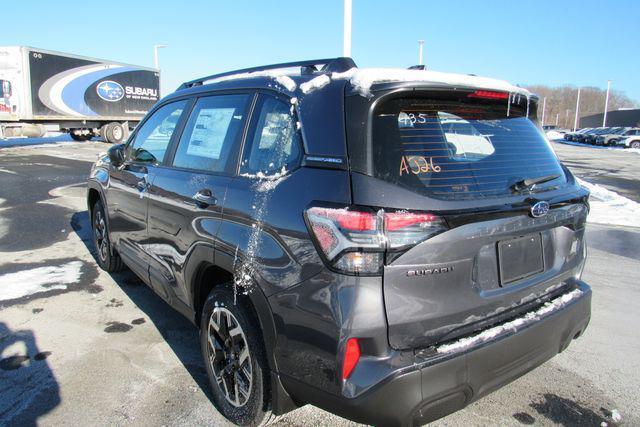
(29, 388)
(179, 333)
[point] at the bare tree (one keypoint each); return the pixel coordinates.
(562, 101)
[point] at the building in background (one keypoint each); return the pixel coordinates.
(626, 117)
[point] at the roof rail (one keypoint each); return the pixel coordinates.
(337, 65)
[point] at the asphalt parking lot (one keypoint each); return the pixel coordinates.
(103, 349)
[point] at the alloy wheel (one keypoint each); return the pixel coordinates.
(229, 356)
(100, 232)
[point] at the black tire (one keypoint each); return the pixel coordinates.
(114, 133)
(108, 259)
(224, 354)
(635, 144)
(103, 133)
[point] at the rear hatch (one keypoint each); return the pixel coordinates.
(478, 162)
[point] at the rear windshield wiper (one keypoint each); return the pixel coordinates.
(530, 183)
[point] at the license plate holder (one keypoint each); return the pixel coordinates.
(520, 258)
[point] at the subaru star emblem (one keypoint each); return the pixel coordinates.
(539, 209)
(110, 91)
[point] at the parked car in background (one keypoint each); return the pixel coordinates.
(385, 251)
(631, 141)
(571, 136)
(614, 138)
(590, 138)
(580, 137)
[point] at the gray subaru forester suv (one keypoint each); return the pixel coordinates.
(386, 244)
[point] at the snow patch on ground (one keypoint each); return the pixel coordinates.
(552, 134)
(512, 326)
(37, 280)
(315, 83)
(608, 207)
(596, 147)
(363, 78)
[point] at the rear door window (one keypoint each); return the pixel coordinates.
(275, 146)
(460, 148)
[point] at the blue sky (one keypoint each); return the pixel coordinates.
(583, 43)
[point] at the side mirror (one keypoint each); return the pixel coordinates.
(116, 154)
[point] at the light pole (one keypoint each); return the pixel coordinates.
(557, 117)
(346, 46)
(155, 54)
(544, 108)
(606, 104)
(420, 47)
(575, 122)
(157, 65)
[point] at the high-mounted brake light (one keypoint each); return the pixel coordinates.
(351, 357)
(355, 241)
(488, 94)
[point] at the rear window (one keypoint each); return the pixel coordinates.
(460, 148)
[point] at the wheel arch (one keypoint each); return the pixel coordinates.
(207, 277)
(211, 274)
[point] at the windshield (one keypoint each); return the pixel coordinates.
(460, 149)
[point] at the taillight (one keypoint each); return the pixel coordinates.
(355, 241)
(488, 94)
(351, 357)
(404, 229)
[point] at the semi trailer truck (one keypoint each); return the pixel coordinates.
(42, 90)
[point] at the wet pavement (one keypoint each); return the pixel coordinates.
(104, 349)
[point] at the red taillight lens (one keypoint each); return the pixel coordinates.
(351, 357)
(399, 220)
(354, 241)
(488, 94)
(406, 228)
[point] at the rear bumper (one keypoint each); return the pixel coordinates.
(435, 386)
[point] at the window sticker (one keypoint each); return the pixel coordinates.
(209, 132)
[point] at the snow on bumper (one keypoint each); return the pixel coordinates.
(511, 326)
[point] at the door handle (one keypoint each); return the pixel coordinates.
(143, 185)
(204, 198)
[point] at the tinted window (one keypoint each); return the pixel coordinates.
(212, 134)
(275, 143)
(152, 139)
(459, 148)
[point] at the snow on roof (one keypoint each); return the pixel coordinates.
(280, 75)
(363, 78)
(315, 83)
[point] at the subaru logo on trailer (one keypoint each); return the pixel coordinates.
(110, 91)
(540, 209)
